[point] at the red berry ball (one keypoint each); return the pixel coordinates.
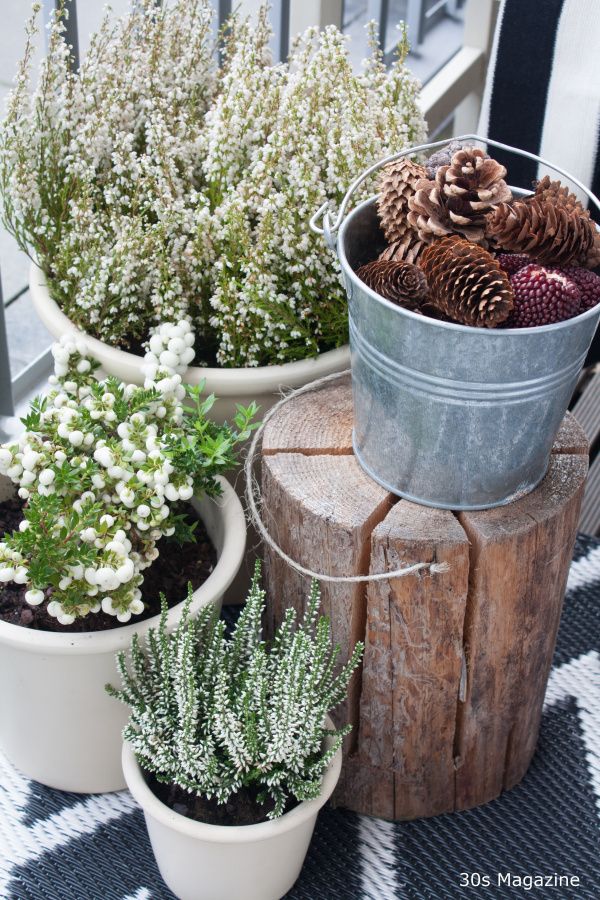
(589, 285)
(512, 262)
(542, 296)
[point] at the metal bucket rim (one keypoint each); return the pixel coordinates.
(450, 326)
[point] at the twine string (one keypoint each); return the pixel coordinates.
(253, 499)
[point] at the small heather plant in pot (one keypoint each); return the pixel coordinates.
(217, 716)
(191, 193)
(229, 731)
(102, 470)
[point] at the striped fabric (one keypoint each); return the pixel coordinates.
(543, 87)
(542, 94)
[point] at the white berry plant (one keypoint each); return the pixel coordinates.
(215, 714)
(102, 467)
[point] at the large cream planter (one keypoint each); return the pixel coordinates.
(216, 862)
(262, 384)
(57, 723)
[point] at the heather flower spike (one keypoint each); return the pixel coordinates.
(213, 714)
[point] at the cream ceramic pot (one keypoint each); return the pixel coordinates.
(231, 386)
(216, 862)
(57, 723)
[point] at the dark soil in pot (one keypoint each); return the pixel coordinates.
(175, 567)
(242, 808)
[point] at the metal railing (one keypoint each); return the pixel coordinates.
(420, 17)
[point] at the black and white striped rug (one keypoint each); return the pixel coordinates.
(59, 846)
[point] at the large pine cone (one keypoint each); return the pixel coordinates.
(546, 189)
(466, 283)
(549, 229)
(593, 258)
(396, 185)
(400, 282)
(407, 249)
(559, 193)
(472, 184)
(459, 199)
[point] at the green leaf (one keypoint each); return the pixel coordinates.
(185, 530)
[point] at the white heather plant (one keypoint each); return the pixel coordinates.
(190, 193)
(214, 715)
(102, 467)
(278, 294)
(98, 168)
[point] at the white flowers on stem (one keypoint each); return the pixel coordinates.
(216, 714)
(102, 466)
(190, 194)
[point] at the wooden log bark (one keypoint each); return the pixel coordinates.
(447, 705)
(520, 563)
(414, 657)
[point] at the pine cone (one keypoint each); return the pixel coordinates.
(408, 249)
(400, 282)
(396, 185)
(459, 199)
(441, 157)
(545, 189)
(472, 184)
(551, 231)
(593, 258)
(466, 282)
(556, 192)
(427, 213)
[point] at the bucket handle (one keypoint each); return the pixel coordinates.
(330, 228)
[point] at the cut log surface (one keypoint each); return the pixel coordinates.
(446, 707)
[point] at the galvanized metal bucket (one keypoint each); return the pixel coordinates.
(447, 415)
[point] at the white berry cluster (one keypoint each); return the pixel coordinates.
(101, 467)
(190, 194)
(170, 352)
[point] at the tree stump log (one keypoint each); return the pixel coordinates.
(446, 707)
